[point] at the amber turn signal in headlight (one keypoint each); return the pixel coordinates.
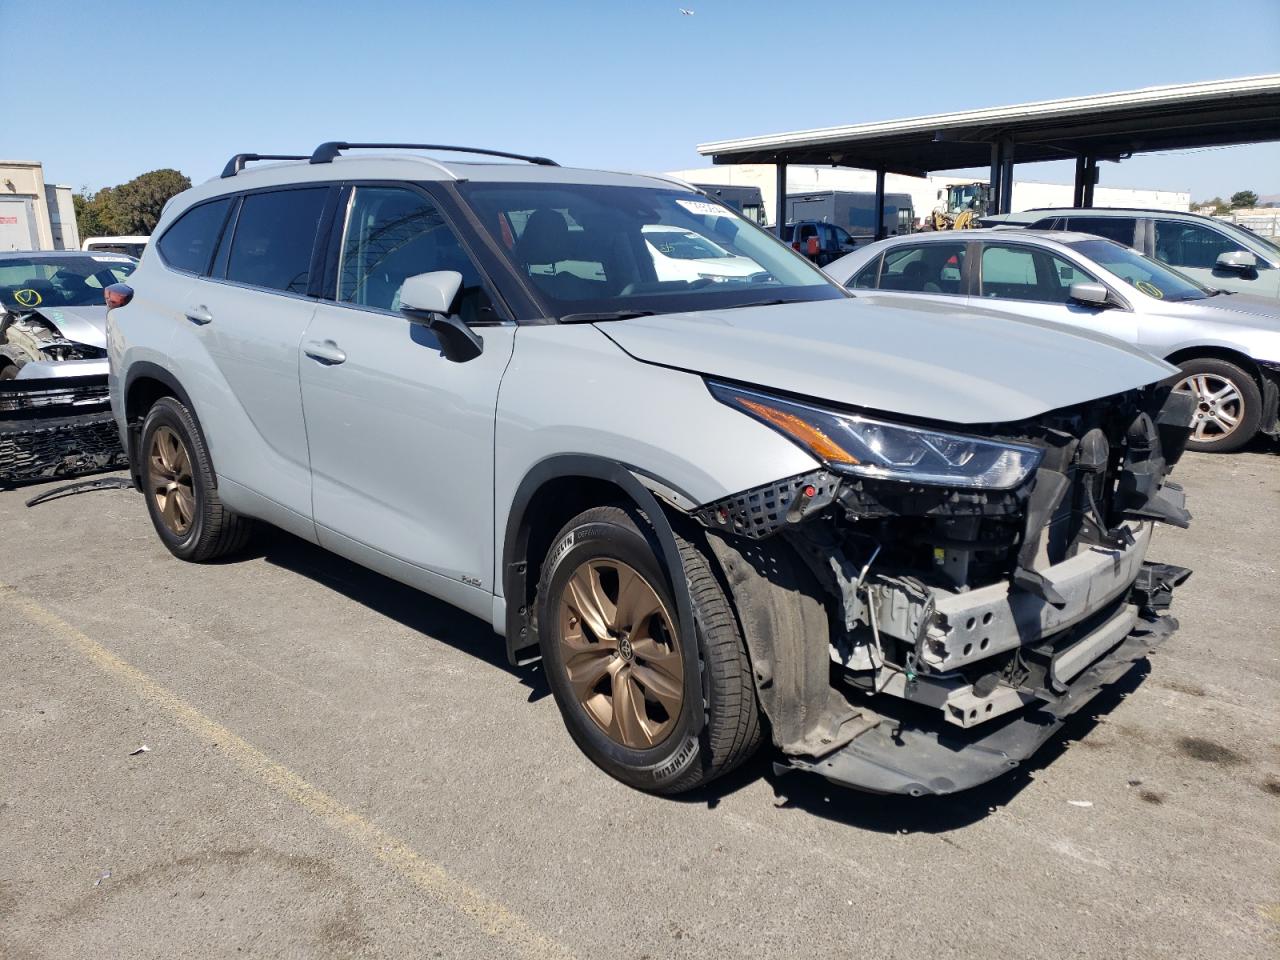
(854, 444)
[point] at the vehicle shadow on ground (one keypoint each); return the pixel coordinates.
(414, 609)
(441, 622)
(1262, 444)
(904, 814)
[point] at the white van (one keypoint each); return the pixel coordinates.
(130, 246)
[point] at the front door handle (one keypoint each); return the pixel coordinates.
(324, 351)
(199, 314)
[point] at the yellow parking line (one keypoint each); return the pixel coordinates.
(489, 915)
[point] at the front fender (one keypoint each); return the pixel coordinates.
(515, 560)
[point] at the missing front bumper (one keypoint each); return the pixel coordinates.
(914, 760)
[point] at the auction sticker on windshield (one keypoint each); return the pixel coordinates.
(704, 208)
(108, 259)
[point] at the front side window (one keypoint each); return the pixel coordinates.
(63, 281)
(1014, 272)
(274, 236)
(592, 248)
(924, 268)
(1119, 229)
(1191, 245)
(1142, 273)
(188, 243)
(393, 234)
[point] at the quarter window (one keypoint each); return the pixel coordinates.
(275, 234)
(924, 268)
(865, 279)
(1191, 245)
(1025, 273)
(188, 244)
(393, 234)
(1119, 229)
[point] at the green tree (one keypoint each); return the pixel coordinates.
(89, 214)
(1244, 198)
(130, 208)
(135, 206)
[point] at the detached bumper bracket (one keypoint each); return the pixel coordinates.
(918, 761)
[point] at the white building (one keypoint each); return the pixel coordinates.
(34, 215)
(1027, 194)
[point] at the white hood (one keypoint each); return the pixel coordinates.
(926, 361)
(87, 325)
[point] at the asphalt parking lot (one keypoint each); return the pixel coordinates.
(340, 767)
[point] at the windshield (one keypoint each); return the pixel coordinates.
(30, 283)
(604, 249)
(1142, 273)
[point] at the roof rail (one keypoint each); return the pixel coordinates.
(326, 152)
(236, 163)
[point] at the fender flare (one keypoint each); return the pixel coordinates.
(515, 562)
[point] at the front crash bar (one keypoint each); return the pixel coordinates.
(918, 761)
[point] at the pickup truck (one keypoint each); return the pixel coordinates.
(822, 243)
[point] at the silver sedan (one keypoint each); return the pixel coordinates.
(1227, 345)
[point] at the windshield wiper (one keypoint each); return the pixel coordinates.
(756, 303)
(606, 315)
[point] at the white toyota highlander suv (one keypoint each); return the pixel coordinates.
(902, 542)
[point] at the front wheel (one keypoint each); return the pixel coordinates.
(656, 710)
(1228, 404)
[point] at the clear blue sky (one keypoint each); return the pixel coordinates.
(107, 90)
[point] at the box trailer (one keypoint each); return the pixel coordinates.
(855, 211)
(748, 201)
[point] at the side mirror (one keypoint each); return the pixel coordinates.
(430, 292)
(426, 298)
(117, 295)
(1237, 261)
(1090, 294)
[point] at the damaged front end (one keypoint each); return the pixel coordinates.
(55, 416)
(56, 427)
(966, 617)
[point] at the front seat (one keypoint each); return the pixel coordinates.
(545, 239)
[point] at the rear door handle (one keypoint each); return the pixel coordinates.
(324, 351)
(199, 314)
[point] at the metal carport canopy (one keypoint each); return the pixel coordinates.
(1105, 127)
(1110, 126)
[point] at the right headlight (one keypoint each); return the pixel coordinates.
(862, 446)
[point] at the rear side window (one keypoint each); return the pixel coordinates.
(924, 268)
(1119, 229)
(275, 234)
(188, 244)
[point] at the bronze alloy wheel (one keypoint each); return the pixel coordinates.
(621, 655)
(1219, 405)
(169, 481)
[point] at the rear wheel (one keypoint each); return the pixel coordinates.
(631, 689)
(1228, 404)
(179, 484)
